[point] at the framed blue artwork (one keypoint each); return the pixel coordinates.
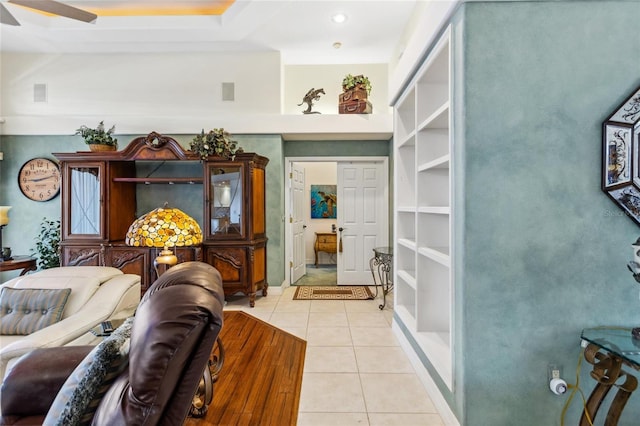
(323, 201)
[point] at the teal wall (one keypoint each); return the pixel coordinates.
(358, 148)
(543, 251)
(26, 215)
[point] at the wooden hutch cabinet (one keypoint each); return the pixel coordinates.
(103, 191)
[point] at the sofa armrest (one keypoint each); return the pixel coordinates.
(36, 378)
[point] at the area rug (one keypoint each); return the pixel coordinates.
(343, 292)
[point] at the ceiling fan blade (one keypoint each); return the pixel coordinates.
(57, 8)
(6, 17)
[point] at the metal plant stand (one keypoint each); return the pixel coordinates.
(381, 264)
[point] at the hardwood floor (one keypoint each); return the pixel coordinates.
(261, 379)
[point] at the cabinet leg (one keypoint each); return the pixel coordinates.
(252, 299)
(264, 289)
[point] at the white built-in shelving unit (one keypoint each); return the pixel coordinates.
(423, 274)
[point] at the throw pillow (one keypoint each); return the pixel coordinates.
(82, 288)
(23, 311)
(80, 395)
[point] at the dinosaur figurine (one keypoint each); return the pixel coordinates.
(312, 95)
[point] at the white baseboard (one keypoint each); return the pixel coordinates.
(438, 400)
(277, 291)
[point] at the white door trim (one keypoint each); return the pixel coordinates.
(288, 237)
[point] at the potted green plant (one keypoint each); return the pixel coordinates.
(354, 97)
(98, 139)
(350, 82)
(216, 142)
(47, 249)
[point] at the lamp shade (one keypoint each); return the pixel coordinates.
(164, 227)
(4, 215)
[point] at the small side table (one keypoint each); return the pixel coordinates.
(26, 263)
(610, 349)
(326, 242)
(382, 263)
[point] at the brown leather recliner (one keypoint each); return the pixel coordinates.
(172, 336)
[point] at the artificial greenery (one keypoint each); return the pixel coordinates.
(98, 136)
(48, 244)
(349, 82)
(216, 142)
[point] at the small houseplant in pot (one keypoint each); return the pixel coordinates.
(98, 139)
(356, 83)
(47, 248)
(354, 96)
(216, 142)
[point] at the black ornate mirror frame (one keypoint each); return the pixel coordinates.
(621, 156)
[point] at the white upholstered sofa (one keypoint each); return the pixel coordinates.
(97, 293)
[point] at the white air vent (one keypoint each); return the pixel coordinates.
(39, 93)
(228, 91)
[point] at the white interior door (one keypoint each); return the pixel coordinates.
(362, 217)
(298, 263)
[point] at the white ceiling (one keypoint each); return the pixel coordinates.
(302, 30)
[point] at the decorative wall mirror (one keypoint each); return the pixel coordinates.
(621, 156)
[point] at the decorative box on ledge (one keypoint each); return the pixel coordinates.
(355, 107)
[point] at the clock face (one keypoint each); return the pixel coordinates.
(39, 179)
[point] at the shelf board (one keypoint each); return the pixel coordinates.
(439, 119)
(437, 347)
(406, 316)
(438, 254)
(435, 210)
(406, 209)
(438, 163)
(408, 278)
(409, 140)
(405, 242)
(167, 180)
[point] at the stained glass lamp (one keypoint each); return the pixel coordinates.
(166, 228)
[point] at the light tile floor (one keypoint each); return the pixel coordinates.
(355, 372)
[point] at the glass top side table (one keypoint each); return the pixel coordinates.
(609, 349)
(382, 263)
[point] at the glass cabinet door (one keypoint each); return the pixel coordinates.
(83, 213)
(226, 200)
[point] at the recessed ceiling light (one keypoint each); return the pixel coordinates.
(337, 45)
(339, 18)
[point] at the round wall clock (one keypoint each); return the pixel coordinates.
(39, 179)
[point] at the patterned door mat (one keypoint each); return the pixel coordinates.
(342, 292)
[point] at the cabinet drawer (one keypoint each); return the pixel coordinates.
(327, 239)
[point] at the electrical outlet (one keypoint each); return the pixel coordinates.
(553, 372)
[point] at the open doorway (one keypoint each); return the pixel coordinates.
(335, 249)
(314, 222)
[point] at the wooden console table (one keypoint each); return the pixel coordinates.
(608, 350)
(26, 263)
(326, 242)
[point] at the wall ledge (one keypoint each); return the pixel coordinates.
(291, 127)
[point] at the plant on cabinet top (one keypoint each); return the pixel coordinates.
(98, 136)
(216, 142)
